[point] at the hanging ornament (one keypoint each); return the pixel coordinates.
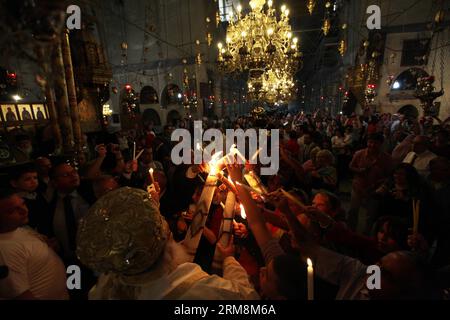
(209, 39)
(370, 93)
(327, 5)
(390, 80)
(326, 26)
(124, 46)
(198, 59)
(366, 43)
(217, 19)
(344, 26)
(426, 93)
(342, 47)
(115, 90)
(311, 5)
(208, 20)
(439, 16)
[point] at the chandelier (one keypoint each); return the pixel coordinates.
(273, 86)
(262, 44)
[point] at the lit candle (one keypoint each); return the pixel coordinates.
(203, 205)
(134, 150)
(310, 280)
(243, 214)
(152, 179)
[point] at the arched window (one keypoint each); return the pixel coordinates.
(151, 116)
(407, 80)
(173, 117)
(149, 95)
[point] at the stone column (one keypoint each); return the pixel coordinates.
(62, 100)
(49, 96)
(71, 91)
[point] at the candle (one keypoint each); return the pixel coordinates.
(310, 280)
(226, 228)
(293, 199)
(152, 179)
(134, 150)
(201, 212)
(254, 181)
(139, 154)
(249, 188)
(243, 214)
(416, 213)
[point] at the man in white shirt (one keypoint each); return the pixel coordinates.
(35, 271)
(420, 156)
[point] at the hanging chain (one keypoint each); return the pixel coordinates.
(443, 50)
(435, 53)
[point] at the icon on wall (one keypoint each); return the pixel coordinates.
(9, 112)
(40, 112)
(25, 112)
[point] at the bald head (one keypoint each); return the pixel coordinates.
(402, 276)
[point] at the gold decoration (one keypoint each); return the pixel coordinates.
(217, 19)
(326, 26)
(209, 39)
(198, 59)
(342, 47)
(439, 16)
(344, 26)
(311, 5)
(327, 5)
(262, 44)
(123, 232)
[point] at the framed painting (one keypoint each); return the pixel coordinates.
(25, 112)
(9, 112)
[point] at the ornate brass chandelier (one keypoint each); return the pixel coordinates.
(263, 45)
(274, 86)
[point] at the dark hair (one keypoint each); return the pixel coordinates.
(397, 229)
(6, 193)
(377, 136)
(292, 134)
(333, 200)
(291, 274)
(17, 171)
(414, 180)
(54, 169)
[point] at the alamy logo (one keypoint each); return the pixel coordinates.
(74, 20)
(74, 277)
(258, 144)
(374, 280)
(374, 20)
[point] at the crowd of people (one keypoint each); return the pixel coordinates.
(361, 191)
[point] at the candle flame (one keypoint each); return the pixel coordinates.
(243, 214)
(150, 171)
(309, 262)
(213, 164)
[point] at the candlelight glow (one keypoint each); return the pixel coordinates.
(243, 215)
(213, 164)
(309, 262)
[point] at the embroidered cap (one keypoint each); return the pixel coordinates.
(123, 232)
